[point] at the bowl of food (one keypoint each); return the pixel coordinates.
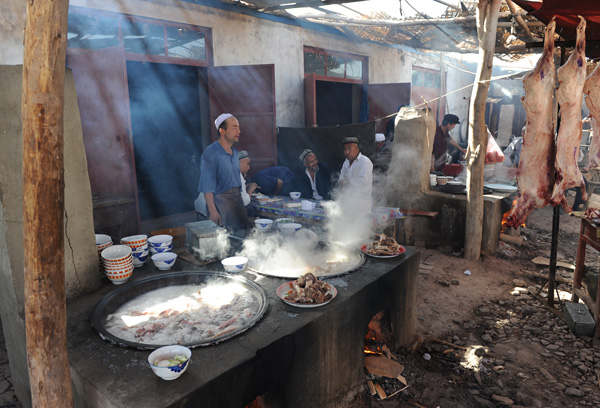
(280, 221)
(262, 198)
(164, 260)
(169, 362)
(295, 195)
(290, 228)
(263, 224)
(235, 264)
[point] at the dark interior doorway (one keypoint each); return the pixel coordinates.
(334, 103)
(166, 125)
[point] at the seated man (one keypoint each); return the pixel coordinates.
(383, 154)
(246, 189)
(313, 180)
(276, 180)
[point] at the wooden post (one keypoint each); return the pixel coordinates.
(43, 203)
(487, 21)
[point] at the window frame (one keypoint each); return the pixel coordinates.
(131, 56)
(337, 54)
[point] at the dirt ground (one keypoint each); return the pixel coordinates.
(482, 342)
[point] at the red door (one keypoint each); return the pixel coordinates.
(100, 81)
(310, 100)
(384, 100)
(248, 93)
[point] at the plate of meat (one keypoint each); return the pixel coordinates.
(307, 291)
(382, 247)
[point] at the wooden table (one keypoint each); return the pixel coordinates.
(588, 235)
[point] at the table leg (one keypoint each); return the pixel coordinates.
(579, 264)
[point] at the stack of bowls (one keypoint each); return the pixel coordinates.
(118, 263)
(102, 242)
(160, 243)
(139, 248)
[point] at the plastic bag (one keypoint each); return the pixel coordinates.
(493, 154)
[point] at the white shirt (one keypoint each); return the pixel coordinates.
(313, 185)
(359, 175)
(245, 195)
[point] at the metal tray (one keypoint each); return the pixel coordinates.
(111, 302)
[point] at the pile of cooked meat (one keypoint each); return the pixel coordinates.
(308, 289)
(382, 245)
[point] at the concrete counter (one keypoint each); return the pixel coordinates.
(301, 357)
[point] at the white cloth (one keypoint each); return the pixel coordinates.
(358, 177)
(200, 205)
(245, 195)
(313, 185)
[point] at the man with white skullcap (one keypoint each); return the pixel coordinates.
(383, 154)
(313, 180)
(220, 176)
(357, 173)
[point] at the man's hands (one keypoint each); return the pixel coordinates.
(251, 188)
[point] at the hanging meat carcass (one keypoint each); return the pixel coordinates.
(591, 90)
(535, 175)
(569, 94)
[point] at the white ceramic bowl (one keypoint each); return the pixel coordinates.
(140, 257)
(263, 224)
(168, 353)
(262, 198)
(135, 241)
(120, 277)
(235, 264)
(116, 253)
(280, 221)
(295, 195)
(158, 241)
(159, 250)
(102, 239)
(164, 261)
(290, 228)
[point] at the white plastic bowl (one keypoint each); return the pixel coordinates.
(263, 224)
(235, 264)
(158, 241)
(290, 228)
(295, 195)
(167, 353)
(164, 261)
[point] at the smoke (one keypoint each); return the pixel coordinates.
(329, 247)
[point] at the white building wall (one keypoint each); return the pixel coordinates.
(240, 39)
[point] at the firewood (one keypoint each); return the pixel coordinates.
(382, 366)
(511, 240)
(380, 392)
(402, 380)
(448, 343)
(371, 387)
(540, 260)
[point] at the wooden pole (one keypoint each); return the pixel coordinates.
(43, 203)
(487, 21)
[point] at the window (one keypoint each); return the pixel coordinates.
(139, 37)
(427, 78)
(332, 65)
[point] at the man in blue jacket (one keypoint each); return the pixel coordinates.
(313, 181)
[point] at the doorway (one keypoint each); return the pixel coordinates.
(166, 121)
(334, 103)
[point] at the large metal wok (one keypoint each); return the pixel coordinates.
(118, 297)
(327, 260)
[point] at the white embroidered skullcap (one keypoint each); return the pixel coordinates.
(222, 118)
(379, 137)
